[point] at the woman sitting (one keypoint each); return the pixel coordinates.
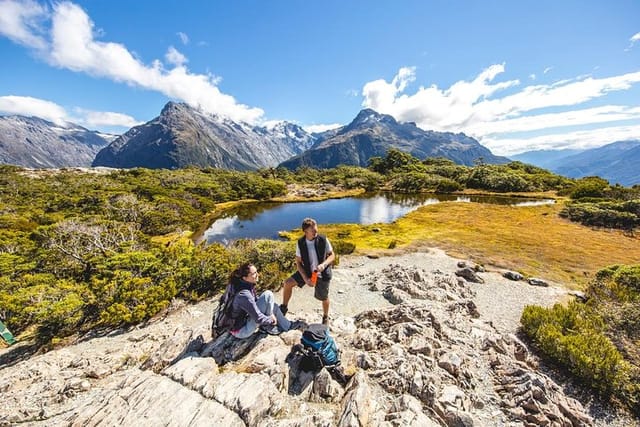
(250, 312)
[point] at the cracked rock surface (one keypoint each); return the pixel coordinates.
(417, 345)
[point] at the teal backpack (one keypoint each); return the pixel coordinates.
(319, 348)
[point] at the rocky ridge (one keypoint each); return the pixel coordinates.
(184, 136)
(38, 143)
(418, 351)
(372, 134)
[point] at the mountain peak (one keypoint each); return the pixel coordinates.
(172, 107)
(184, 135)
(371, 134)
(369, 117)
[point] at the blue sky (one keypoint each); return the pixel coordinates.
(516, 75)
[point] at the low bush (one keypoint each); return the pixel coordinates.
(621, 215)
(572, 336)
(596, 341)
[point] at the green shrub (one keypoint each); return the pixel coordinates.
(596, 341)
(39, 299)
(414, 182)
(350, 177)
(602, 214)
(591, 186)
(494, 178)
(573, 337)
(592, 356)
(274, 259)
(616, 283)
(395, 161)
(446, 185)
(343, 247)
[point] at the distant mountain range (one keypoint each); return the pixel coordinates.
(372, 134)
(183, 136)
(616, 162)
(37, 143)
(547, 159)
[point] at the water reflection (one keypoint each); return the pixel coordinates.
(383, 209)
(265, 220)
(535, 203)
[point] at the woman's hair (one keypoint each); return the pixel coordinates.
(242, 271)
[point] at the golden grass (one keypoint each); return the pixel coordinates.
(532, 240)
(173, 238)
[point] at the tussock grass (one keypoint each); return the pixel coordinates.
(532, 240)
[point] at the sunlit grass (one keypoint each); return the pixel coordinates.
(532, 240)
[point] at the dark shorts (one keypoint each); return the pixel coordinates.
(320, 291)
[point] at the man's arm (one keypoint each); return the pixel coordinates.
(327, 262)
(300, 267)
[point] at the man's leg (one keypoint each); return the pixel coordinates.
(325, 307)
(322, 293)
(287, 290)
(288, 285)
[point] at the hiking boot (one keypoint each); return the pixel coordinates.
(325, 320)
(298, 324)
(270, 329)
(284, 309)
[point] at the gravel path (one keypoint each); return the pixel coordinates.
(499, 300)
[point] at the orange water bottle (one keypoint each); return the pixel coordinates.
(314, 276)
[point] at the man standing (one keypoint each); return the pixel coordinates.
(314, 256)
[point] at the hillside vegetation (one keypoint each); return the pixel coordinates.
(82, 249)
(596, 341)
(596, 203)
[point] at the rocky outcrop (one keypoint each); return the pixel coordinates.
(428, 360)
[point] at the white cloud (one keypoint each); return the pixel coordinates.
(20, 21)
(174, 57)
(97, 119)
(546, 70)
(476, 107)
(432, 108)
(571, 93)
(532, 76)
(321, 128)
(379, 92)
(632, 41)
(604, 114)
(183, 37)
(73, 46)
(28, 106)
